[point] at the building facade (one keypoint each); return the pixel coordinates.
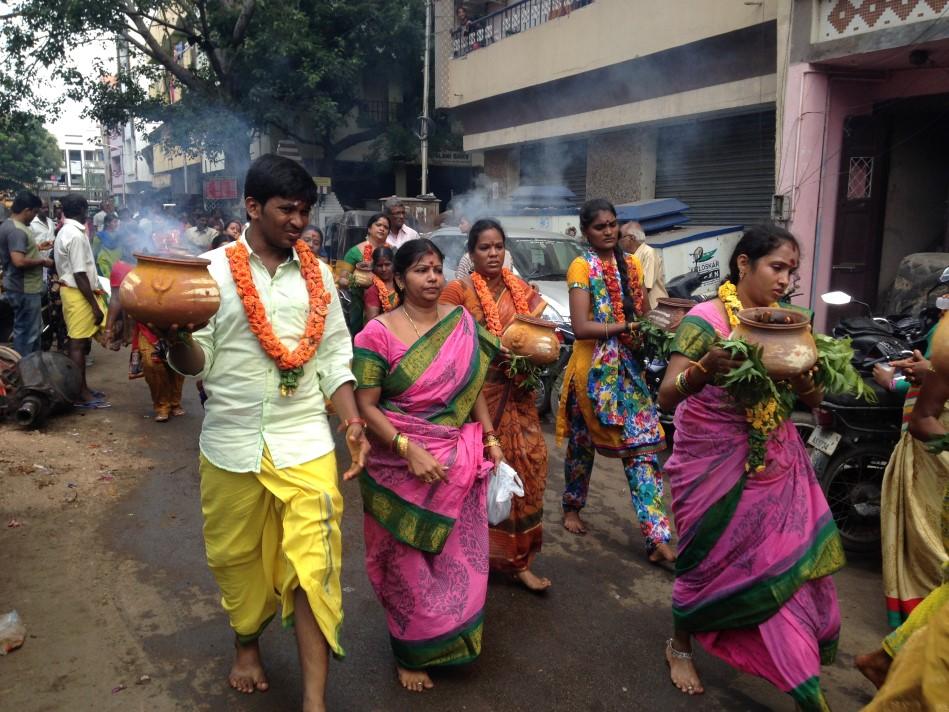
(864, 151)
(619, 99)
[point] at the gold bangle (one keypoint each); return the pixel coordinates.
(699, 366)
(682, 384)
(492, 441)
(402, 445)
(394, 443)
(606, 331)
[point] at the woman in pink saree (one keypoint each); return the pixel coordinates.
(419, 370)
(756, 549)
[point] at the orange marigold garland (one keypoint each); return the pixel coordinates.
(615, 291)
(367, 251)
(289, 362)
(384, 295)
(489, 306)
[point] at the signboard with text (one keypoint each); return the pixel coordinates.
(220, 189)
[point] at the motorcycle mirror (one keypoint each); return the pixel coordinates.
(944, 277)
(836, 298)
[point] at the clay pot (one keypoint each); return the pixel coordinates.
(788, 348)
(165, 290)
(362, 275)
(669, 312)
(536, 339)
(940, 350)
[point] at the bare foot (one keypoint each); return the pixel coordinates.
(532, 582)
(662, 552)
(162, 417)
(874, 666)
(573, 524)
(177, 410)
(247, 674)
(414, 680)
(683, 672)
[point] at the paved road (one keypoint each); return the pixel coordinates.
(130, 595)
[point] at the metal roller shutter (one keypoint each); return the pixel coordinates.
(723, 169)
(561, 163)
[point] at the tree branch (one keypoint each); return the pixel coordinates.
(208, 48)
(153, 49)
(354, 139)
(243, 22)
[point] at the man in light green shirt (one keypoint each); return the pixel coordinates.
(269, 491)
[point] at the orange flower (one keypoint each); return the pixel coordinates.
(384, 295)
(367, 252)
(615, 291)
(289, 363)
(519, 293)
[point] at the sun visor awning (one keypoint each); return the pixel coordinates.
(654, 215)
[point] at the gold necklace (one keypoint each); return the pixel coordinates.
(412, 321)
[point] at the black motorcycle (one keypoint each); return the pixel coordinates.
(850, 441)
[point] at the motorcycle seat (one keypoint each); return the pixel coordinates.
(885, 399)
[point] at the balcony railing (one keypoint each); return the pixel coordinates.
(517, 17)
(382, 112)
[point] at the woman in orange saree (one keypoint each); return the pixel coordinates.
(494, 295)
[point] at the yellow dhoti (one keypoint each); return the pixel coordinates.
(80, 323)
(269, 532)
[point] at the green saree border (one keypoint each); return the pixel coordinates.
(828, 651)
(521, 525)
(369, 368)
(757, 603)
(693, 338)
(809, 696)
(458, 647)
(408, 523)
(456, 413)
(420, 355)
(710, 528)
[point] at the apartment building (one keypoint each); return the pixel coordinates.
(864, 151)
(624, 99)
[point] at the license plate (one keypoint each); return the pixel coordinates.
(824, 440)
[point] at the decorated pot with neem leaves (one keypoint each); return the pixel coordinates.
(164, 290)
(535, 339)
(784, 335)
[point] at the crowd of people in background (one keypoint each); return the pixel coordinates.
(427, 395)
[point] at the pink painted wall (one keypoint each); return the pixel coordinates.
(815, 106)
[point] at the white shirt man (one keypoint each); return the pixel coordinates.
(73, 253)
(634, 240)
(44, 230)
(399, 232)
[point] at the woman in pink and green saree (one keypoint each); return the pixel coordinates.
(419, 370)
(756, 546)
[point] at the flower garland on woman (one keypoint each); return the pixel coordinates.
(289, 362)
(605, 406)
(515, 542)
(519, 292)
(377, 230)
(382, 296)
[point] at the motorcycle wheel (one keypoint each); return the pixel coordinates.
(853, 483)
(804, 423)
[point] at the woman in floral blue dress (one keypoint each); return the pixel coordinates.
(605, 407)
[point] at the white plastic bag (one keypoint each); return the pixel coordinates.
(503, 485)
(12, 632)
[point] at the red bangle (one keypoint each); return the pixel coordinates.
(351, 421)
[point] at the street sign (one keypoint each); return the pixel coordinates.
(220, 189)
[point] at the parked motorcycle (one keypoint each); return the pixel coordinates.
(850, 441)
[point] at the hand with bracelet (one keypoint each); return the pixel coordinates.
(807, 390)
(685, 377)
(422, 464)
(492, 447)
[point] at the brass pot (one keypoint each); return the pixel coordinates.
(669, 312)
(940, 350)
(535, 339)
(362, 275)
(787, 346)
(166, 290)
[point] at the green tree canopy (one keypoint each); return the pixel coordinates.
(28, 152)
(292, 65)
